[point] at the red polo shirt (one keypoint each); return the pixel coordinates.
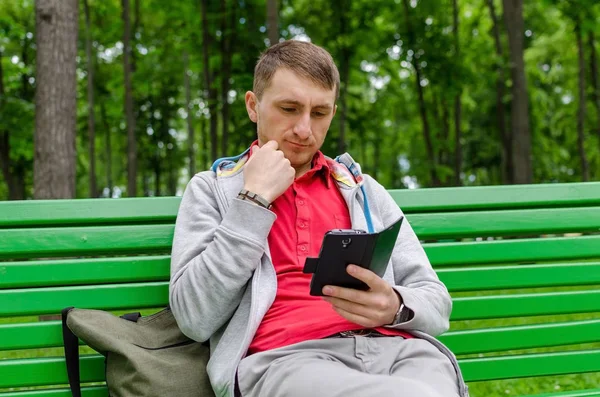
(309, 208)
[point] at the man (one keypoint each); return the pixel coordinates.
(244, 230)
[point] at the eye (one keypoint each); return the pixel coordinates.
(319, 114)
(288, 110)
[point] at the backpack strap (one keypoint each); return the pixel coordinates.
(71, 343)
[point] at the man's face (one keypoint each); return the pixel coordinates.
(296, 113)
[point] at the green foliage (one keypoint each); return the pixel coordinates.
(381, 45)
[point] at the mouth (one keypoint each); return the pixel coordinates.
(298, 145)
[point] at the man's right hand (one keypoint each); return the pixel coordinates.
(268, 173)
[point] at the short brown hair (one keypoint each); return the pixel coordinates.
(305, 59)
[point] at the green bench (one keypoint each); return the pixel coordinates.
(522, 264)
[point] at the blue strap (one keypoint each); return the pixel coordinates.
(234, 158)
(367, 211)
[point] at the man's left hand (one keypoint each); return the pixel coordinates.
(372, 308)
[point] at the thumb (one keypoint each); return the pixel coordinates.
(253, 149)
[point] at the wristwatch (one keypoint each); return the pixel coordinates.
(402, 315)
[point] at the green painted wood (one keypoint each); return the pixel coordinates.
(498, 197)
(521, 337)
(48, 371)
(92, 391)
(30, 335)
(517, 250)
(49, 300)
(527, 365)
(574, 393)
(88, 211)
(520, 276)
(83, 271)
(164, 209)
(17, 302)
(521, 305)
(48, 334)
(79, 241)
(505, 223)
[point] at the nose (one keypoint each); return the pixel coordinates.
(302, 127)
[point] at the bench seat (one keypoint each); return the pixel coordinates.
(522, 264)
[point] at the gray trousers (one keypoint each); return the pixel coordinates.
(346, 367)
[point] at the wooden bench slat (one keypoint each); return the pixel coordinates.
(498, 197)
(48, 371)
(51, 300)
(51, 371)
(83, 271)
(156, 268)
(88, 211)
(30, 335)
(523, 305)
(517, 250)
(91, 391)
(48, 334)
(79, 241)
(505, 223)
(521, 337)
(527, 365)
(164, 209)
(111, 240)
(575, 393)
(520, 276)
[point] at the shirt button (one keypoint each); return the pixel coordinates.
(300, 202)
(302, 225)
(303, 248)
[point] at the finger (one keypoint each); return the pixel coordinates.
(271, 145)
(357, 319)
(368, 277)
(253, 149)
(351, 307)
(348, 294)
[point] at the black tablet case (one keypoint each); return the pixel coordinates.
(341, 248)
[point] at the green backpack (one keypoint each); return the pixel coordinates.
(144, 356)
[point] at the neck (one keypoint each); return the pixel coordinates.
(302, 169)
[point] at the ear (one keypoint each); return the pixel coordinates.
(251, 106)
(334, 109)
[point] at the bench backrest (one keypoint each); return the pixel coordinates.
(508, 255)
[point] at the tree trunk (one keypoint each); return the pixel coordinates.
(189, 111)
(5, 141)
(204, 143)
(228, 29)
(56, 99)
(90, 96)
(130, 118)
(345, 56)
(585, 169)
(211, 94)
(458, 152)
(444, 154)
(522, 161)
(435, 181)
(157, 174)
(108, 149)
(505, 135)
(136, 28)
(273, 21)
(595, 84)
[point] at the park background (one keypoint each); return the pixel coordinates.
(434, 93)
